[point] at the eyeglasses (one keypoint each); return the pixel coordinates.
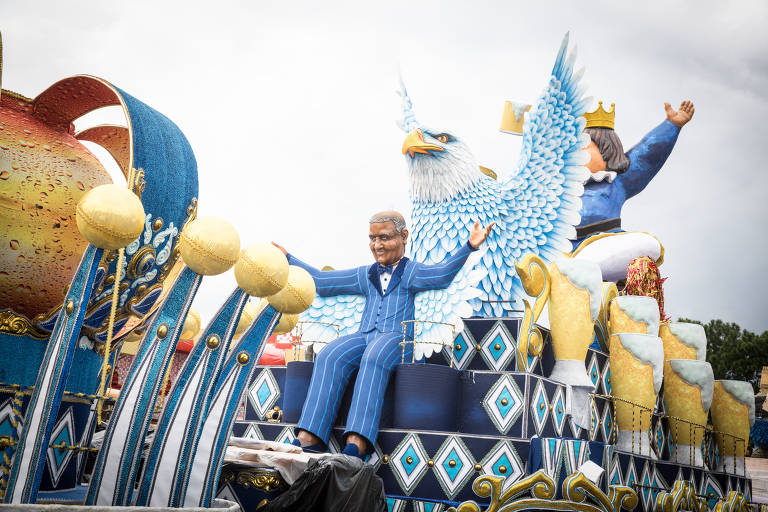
(382, 238)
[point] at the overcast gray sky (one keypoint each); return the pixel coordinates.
(290, 109)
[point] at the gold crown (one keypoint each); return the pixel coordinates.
(513, 117)
(600, 118)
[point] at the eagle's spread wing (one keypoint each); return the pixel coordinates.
(439, 312)
(331, 317)
(543, 196)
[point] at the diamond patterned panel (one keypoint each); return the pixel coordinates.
(606, 422)
(428, 506)
(374, 459)
(593, 370)
(504, 403)
(558, 410)
(264, 392)
(539, 408)
(659, 439)
(646, 480)
(605, 379)
(503, 460)
(498, 347)
(253, 432)
(711, 488)
(631, 474)
(454, 464)
(615, 477)
(409, 463)
(658, 483)
(594, 430)
(463, 350)
(395, 505)
(286, 436)
(58, 458)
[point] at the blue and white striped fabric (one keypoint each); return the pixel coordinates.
(384, 312)
(375, 348)
(117, 464)
(43, 408)
(197, 485)
(186, 406)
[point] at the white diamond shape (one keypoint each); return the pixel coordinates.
(646, 481)
(658, 434)
(427, 506)
(558, 411)
(66, 426)
(227, 493)
(607, 424)
(594, 421)
(453, 477)
(503, 454)
(593, 370)
(468, 350)
(409, 474)
(575, 429)
(539, 407)
(504, 389)
(658, 483)
(253, 432)
(375, 458)
(615, 477)
(286, 436)
(605, 379)
(499, 336)
(264, 392)
(631, 476)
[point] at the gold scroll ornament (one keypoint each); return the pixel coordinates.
(536, 283)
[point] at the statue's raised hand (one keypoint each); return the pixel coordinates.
(478, 234)
(682, 115)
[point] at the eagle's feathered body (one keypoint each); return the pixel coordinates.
(534, 208)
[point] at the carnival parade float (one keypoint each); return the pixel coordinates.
(610, 406)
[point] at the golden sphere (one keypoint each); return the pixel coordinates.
(162, 331)
(110, 216)
(298, 293)
(262, 270)
(209, 245)
(287, 323)
(243, 358)
(191, 325)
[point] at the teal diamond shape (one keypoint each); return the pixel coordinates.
(410, 452)
(263, 392)
(458, 353)
(61, 453)
(497, 353)
(453, 471)
(504, 409)
(503, 461)
(541, 407)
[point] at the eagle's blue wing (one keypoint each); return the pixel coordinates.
(439, 313)
(543, 196)
(331, 317)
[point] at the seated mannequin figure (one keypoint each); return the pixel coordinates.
(616, 176)
(389, 286)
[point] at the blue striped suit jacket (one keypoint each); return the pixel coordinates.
(384, 312)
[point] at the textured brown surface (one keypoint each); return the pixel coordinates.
(44, 171)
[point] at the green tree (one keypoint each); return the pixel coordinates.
(733, 352)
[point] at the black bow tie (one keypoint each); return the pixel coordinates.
(386, 270)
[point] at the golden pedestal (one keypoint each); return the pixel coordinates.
(636, 375)
(733, 412)
(634, 313)
(688, 388)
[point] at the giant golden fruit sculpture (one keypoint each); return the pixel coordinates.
(44, 172)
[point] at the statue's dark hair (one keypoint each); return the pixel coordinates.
(609, 145)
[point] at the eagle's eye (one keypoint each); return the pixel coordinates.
(443, 137)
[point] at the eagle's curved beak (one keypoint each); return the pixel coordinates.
(414, 143)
